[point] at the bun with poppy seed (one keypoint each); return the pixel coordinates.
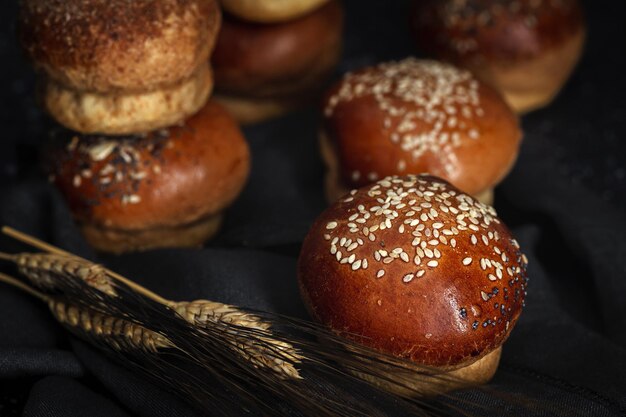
(166, 188)
(417, 116)
(526, 49)
(413, 267)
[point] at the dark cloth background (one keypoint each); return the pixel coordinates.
(565, 201)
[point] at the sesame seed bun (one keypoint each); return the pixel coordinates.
(108, 46)
(417, 116)
(413, 267)
(270, 11)
(165, 188)
(526, 49)
(120, 114)
(279, 65)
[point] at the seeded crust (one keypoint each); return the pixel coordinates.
(278, 61)
(419, 116)
(163, 180)
(108, 46)
(413, 267)
(128, 113)
(270, 11)
(525, 48)
(334, 188)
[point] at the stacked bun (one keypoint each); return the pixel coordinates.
(414, 267)
(417, 116)
(129, 81)
(272, 56)
(526, 49)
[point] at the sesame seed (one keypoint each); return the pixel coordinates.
(356, 264)
(331, 225)
(467, 261)
(432, 263)
(380, 273)
(408, 278)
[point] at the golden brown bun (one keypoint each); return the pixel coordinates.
(413, 267)
(270, 11)
(418, 116)
(334, 188)
(122, 114)
(286, 62)
(166, 180)
(108, 46)
(526, 49)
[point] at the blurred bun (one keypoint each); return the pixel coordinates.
(270, 11)
(112, 46)
(526, 49)
(265, 70)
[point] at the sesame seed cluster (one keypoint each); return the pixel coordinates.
(439, 222)
(429, 106)
(115, 167)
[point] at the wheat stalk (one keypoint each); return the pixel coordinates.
(45, 269)
(312, 373)
(120, 334)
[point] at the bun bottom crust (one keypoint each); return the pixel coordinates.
(248, 110)
(334, 187)
(120, 241)
(110, 114)
(271, 11)
(528, 86)
(429, 381)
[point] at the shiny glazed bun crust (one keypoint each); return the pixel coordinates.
(413, 267)
(270, 11)
(417, 116)
(279, 63)
(111, 45)
(156, 184)
(526, 49)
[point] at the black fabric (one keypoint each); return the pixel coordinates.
(565, 201)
